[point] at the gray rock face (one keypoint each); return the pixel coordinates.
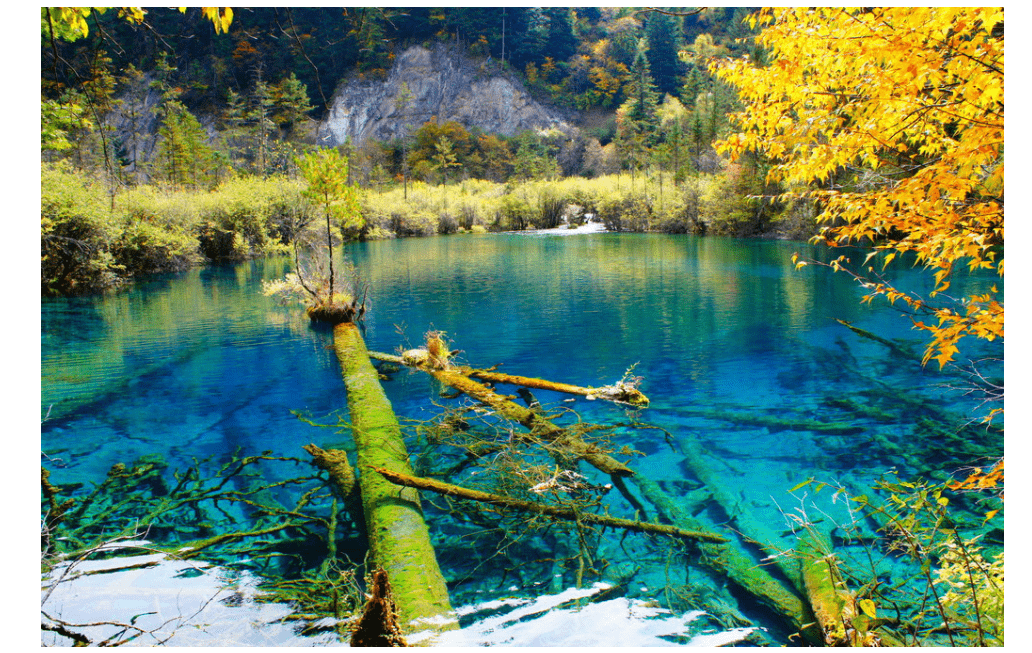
(442, 83)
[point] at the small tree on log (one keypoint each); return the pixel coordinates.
(329, 298)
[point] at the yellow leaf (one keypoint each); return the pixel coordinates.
(869, 608)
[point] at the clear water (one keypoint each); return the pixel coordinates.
(200, 363)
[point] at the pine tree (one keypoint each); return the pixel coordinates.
(560, 43)
(642, 98)
(134, 113)
(183, 154)
(235, 132)
(262, 126)
(291, 102)
(664, 39)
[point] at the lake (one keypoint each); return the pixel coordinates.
(754, 385)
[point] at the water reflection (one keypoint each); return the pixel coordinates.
(748, 370)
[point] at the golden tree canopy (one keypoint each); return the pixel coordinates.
(892, 120)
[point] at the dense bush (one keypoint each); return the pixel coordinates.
(91, 241)
(629, 213)
(76, 228)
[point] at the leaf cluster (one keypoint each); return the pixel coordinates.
(891, 119)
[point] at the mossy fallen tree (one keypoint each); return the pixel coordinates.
(510, 503)
(565, 440)
(621, 392)
(842, 618)
(399, 540)
(895, 348)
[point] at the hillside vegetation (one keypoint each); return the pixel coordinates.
(170, 141)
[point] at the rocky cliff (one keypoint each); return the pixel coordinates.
(443, 83)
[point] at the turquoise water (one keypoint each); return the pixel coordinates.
(738, 353)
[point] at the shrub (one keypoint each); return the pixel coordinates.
(76, 227)
(550, 207)
(146, 247)
(516, 213)
(632, 213)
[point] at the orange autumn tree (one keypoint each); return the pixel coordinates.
(891, 120)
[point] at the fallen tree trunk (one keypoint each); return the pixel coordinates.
(621, 393)
(399, 540)
(565, 439)
(543, 509)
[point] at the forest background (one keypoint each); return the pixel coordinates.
(171, 142)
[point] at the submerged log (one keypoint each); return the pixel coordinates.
(399, 540)
(741, 570)
(893, 347)
(544, 509)
(822, 588)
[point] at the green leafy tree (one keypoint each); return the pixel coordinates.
(444, 157)
(326, 172)
(533, 159)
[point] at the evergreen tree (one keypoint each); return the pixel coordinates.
(560, 42)
(664, 38)
(291, 102)
(183, 154)
(259, 117)
(234, 132)
(674, 126)
(133, 109)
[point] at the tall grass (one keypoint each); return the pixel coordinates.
(91, 240)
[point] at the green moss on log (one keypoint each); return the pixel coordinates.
(399, 540)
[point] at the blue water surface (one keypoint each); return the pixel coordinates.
(720, 330)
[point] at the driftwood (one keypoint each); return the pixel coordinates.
(543, 509)
(399, 540)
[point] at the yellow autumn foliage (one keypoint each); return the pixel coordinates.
(891, 119)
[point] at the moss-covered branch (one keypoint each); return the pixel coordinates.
(620, 392)
(509, 503)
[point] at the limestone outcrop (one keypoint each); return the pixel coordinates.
(442, 82)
